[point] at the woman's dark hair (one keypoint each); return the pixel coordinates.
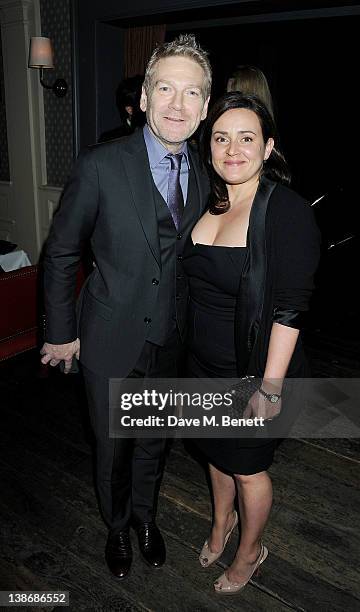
(275, 167)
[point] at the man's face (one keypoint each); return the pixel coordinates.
(176, 105)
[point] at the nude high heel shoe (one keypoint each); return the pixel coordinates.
(223, 586)
(207, 557)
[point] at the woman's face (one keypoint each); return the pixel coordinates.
(237, 146)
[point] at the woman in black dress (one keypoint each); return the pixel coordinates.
(250, 262)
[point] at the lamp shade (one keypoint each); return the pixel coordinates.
(40, 53)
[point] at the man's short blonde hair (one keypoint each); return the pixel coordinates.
(184, 46)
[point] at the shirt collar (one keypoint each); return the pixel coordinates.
(157, 152)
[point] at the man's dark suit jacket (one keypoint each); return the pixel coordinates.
(108, 199)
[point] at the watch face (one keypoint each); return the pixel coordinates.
(271, 397)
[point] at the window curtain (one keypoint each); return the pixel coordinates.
(139, 44)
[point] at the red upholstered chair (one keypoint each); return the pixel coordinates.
(18, 311)
(21, 310)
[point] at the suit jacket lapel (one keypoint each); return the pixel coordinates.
(136, 163)
(252, 287)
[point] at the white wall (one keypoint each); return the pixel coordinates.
(26, 203)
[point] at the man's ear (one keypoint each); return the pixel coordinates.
(143, 100)
(205, 109)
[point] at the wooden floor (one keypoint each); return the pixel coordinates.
(53, 538)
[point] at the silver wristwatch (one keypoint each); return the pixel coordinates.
(272, 397)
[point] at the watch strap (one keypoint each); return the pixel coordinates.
(270, 396)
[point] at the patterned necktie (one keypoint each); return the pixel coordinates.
(175, 196)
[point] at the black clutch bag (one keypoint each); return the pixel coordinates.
(241, 393)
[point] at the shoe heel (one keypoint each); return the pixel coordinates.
(223, 586)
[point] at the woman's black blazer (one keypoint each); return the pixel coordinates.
(278, 276)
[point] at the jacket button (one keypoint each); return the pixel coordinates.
(179, 277)
(179, 236)
(179, 257)
(147, 320)
(178, 296)
(155, 281)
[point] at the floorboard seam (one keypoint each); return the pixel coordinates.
(328, 450)
(182, 505)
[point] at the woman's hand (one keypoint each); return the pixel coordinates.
(260, 406)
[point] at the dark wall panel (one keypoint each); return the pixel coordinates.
(311, 66)
(88, 86)
(55, 23)
(4, 153)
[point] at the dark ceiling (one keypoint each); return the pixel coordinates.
(233, 11)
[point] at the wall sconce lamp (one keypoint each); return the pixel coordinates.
(41, 57)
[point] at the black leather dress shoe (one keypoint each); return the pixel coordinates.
(118, 553)
(151, 544)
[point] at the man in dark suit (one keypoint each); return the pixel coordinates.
(137, 200)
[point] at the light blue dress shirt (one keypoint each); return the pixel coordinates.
(160, 166)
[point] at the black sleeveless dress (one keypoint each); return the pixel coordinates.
(214, 274)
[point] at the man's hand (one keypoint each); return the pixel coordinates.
(54, 353)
